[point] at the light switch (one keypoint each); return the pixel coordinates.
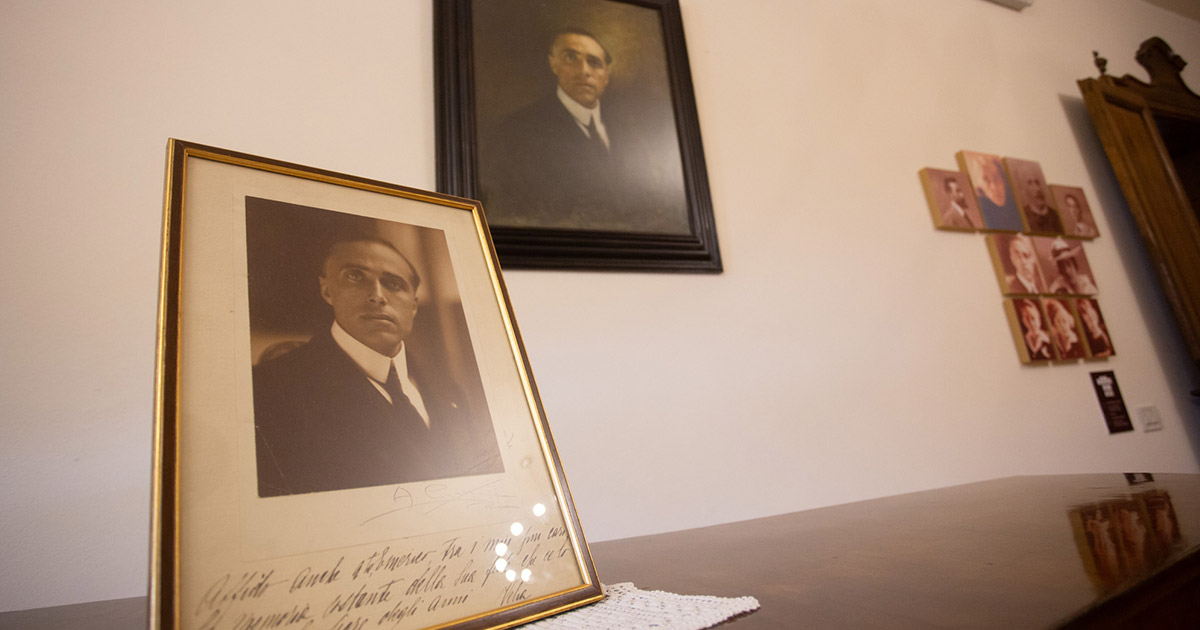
(1150, 418)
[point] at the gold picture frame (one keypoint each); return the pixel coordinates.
(482, 534)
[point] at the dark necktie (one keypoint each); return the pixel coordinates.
(400, 401)
(594, 134)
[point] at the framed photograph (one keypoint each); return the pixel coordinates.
(1096, 339)
(1030, 333)
(991, 190)
(1065, 266)
(1064, 329)
(950, 202)
(1016, 263)
(575, 124)
(1074, 212)
(348, 434)
(1033, 197)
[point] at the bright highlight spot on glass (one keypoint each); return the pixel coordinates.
(526, 574)
(539, 509)
(501, 564)
(501, 549)
(517, 528)
(511, 575)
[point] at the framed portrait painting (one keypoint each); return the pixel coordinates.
(1016, 263)
(574, 123)
(348, 433)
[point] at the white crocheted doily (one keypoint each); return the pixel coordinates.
(628, 607)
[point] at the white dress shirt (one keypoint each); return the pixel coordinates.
(583, 116)
(376, 367)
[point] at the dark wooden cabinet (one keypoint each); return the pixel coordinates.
(1151, 134)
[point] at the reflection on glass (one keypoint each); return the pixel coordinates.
(526, 574)
(1124, 539)
(501, 549)
(511, 575)
(501, 564)
(517, 528)
(539, 509)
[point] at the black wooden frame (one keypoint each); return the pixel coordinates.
(457, 162)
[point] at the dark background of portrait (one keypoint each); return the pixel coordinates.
(285, 247)
(511, 45)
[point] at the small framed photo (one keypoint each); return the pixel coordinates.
(1033, 197)
(992, 191)
(1030, 333)
(1095, 332)
(1074, 212)
(1064, 329)
(1016, 263)
(347, 432)
(1065, 266)
(1164, 524)
(950, 200)
(575, 123)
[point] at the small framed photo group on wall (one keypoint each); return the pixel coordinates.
(1003, 194)
(1058, 328)
(1035, 235)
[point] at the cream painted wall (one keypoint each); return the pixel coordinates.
(849, 350)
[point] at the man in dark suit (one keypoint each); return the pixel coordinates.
(350, 408)
(567, 160)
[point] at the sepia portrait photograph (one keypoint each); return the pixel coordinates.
(363, 369)
(1028, 324)
(1065, 266)
(950, 201)
(1064, 329)
(990, 186)
(1016, 263)
(1074, 212)
(574, 123)
(343, 406)
(1095, 331)
(1033, 197)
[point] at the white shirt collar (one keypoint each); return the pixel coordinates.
(583, 115)
(376, 367)
(374, 364)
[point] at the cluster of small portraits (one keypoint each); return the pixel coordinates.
(1036, 234)
(996, 194)
(1123, 539)
(1058, 329)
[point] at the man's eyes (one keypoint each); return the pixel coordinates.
(394, 285)
(354, 275)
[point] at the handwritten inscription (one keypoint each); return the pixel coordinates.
(388, 587)
(435, 496)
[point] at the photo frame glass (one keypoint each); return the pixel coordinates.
(348, 430)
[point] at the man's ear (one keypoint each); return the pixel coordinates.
(325, 290)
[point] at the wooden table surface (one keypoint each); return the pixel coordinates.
(996, 554)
